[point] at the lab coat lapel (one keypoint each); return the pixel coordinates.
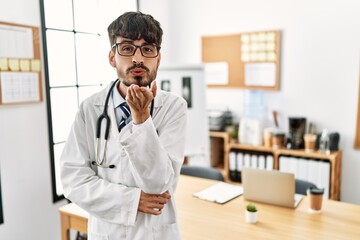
(114, 131)
(100, 102)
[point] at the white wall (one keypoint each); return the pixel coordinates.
(319, 60)
(197, 145)
(24, 155)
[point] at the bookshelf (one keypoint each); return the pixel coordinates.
(334, 158)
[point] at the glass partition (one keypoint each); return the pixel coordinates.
(75, 49)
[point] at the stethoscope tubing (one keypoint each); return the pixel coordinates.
(105, 116)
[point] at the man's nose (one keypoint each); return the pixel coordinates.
(138, 57)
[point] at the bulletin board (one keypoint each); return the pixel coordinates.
(20, 64)
(357, 130)
(252, 59)
(1, 206)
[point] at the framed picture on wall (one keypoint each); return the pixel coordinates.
(1, 209)
(357, 130)
(165, 85)
(187, 91)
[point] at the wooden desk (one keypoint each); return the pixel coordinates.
(200, 219)
(72, 217)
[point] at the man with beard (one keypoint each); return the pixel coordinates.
(122, 160)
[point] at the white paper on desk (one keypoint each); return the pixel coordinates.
(220, 192)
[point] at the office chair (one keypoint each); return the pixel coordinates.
(302, 186)
(202, 172)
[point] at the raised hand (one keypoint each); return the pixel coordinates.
(139, 99)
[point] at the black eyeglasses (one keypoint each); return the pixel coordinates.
(129, 49)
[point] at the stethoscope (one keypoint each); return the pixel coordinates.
(100, 160)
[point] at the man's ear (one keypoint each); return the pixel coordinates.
(112, 58)
(158, 60)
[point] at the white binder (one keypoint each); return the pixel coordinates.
(261, 161)
(240, 161)
(269, 162)
(254, 161)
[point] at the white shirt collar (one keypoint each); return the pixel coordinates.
(116, 96)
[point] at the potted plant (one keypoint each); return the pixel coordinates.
(251, 213)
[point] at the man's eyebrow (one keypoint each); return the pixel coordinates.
(132, 42)
(127, 41)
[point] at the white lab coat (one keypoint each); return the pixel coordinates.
(148, 158)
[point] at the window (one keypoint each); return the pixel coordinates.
(75, 49)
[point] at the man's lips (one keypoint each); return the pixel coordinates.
(138, 71)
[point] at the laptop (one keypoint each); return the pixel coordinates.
(271, 187)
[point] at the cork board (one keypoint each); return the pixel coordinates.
(357, 130)
(20, 64)
(253, 58)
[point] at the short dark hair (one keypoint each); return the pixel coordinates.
(135, 26)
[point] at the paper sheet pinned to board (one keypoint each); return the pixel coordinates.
(16, 42)
(19, 87)
(14, 64)
(216, 73)
(25, 65)
(35, 65)
(260, 74)
(4, 65)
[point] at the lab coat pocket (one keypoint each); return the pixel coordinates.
(97, 236)
(167, 232)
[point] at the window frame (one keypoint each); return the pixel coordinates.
(48, 87)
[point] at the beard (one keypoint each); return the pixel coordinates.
(141, 81)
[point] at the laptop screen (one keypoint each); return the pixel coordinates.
(272, 187)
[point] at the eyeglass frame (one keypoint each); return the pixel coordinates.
(115, 45)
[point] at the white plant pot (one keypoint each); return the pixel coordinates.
(251, 217)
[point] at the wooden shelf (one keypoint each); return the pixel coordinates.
(334, 158)
(220, 153)
(250, 147)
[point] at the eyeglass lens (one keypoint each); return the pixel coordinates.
(127, 49)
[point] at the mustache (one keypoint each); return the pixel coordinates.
(139, 65)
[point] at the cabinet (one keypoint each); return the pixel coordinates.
(334, 158)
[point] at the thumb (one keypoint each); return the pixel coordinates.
(153, 88)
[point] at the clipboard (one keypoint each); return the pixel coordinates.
(220, 193)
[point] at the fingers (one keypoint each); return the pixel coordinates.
(166, 195)
(134, 94)
(153, 203)
(153, 88)
(141, 96)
